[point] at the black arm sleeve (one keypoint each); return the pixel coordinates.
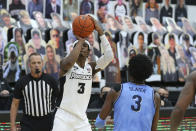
(18, 90)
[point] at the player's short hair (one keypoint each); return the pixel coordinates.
(140, 67)
(34, 54)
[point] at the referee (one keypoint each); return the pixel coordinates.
(38, 92)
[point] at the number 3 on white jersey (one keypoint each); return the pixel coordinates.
(82, 88)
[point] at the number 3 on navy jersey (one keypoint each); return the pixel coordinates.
(81, 86)
(138, 100)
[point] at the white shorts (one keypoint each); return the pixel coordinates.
(65, 121)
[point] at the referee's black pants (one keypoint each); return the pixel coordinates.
(36, 124)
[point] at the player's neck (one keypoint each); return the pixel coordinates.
(136, 82)
(81, 62)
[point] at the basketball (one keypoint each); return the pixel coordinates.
(83, 26)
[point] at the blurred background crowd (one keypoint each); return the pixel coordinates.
(161, 29)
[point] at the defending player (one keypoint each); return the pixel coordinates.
(184, 100)
(136, 105)
(76, 82)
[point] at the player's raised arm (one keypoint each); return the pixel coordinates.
(185, 98)
(67, 62)
(107, 56)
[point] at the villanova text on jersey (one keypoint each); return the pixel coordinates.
(139, 89)
(134, 109)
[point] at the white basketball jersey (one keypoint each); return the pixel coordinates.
(77, 90)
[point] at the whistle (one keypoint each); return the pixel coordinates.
(37, 71)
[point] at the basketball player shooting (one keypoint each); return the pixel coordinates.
(76, 82)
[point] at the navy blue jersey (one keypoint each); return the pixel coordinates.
(134, 109)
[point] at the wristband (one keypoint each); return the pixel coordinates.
(99, 122)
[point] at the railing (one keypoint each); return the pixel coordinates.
(92, 113)
(188, 124)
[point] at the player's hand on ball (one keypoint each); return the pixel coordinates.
(97, 26)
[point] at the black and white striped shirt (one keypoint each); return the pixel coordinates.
(38, 94)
